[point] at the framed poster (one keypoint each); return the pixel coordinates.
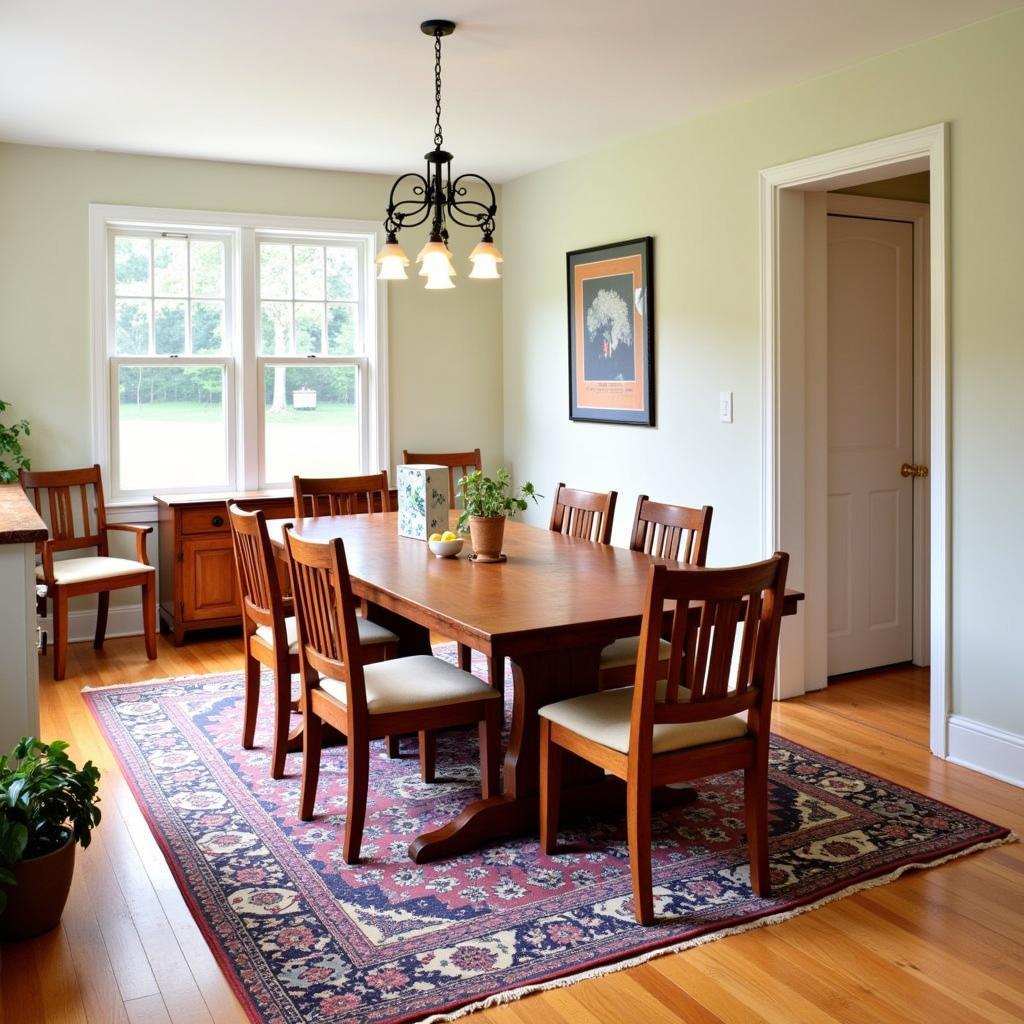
(611, 333)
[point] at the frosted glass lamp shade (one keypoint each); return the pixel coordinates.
(438, 280)
(435, 258)
(485, 259)
(392, 262)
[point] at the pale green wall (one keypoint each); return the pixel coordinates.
(695, 188)
(436, 338)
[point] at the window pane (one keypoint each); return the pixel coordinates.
(310, 427)
(309, 272)
(275, 328)
(309, 327)
(171, 430)
(341, 329)
(341, 273)
(275, 271)
(131, 327)
(169, 327)
(208, 269)
(170, 266)
(207, 327)
(131, 265)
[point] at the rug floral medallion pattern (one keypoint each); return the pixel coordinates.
(305, 937)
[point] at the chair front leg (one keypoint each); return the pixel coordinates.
(312, 744)
(428, 754)
(149, 615)
(550, 788)
(102, 607)
(490, 750)
(282, 712)
(60, 633)
(638, 827)
(358, 785)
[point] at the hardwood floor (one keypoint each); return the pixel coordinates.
(936, 946)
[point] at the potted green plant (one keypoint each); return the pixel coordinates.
(487, 503)
(12, 458)
(47, 805)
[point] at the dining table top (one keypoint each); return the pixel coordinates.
(550, 582)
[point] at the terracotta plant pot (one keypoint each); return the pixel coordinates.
(487, 533)
(35, 903)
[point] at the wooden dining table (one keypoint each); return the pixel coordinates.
(550, 608)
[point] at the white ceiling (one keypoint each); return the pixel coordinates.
(349, 84)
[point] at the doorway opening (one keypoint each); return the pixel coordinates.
(855, 363)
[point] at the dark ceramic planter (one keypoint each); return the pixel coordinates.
(35, 903)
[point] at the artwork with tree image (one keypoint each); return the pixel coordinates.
(611, 343)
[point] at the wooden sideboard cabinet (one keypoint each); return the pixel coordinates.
(198, 588)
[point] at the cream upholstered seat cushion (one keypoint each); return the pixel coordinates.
(624, 652)
(605, 718)
(92, 567)
(406, 684)
(369, 633)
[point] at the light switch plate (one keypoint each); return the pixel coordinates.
(725, 406)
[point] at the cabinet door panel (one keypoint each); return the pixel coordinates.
(209, 589)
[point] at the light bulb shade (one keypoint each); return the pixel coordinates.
(435, 257)
(438, 280)
(485, 259)
(392, 269)
(392, 251)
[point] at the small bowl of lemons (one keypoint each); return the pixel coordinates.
(445, 545)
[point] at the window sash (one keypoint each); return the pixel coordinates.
(244, 365)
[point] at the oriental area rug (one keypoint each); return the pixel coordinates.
(302, 936)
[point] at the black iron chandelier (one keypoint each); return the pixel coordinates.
(439, 198)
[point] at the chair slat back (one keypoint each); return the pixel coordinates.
(671, 531)
(325, 613)
(70, 501)
(258, 583)
(341, 495)
(709, 607)
(459, 464)
(584, 514)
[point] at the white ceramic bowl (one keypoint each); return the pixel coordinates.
(446, 548)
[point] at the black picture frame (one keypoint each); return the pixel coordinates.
(611, 354)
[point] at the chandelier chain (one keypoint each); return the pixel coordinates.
(438, 136)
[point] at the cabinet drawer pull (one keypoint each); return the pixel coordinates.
(217, 520)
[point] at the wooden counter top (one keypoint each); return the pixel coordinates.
(19, 521)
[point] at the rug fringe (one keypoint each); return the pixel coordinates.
(514, 994)
(157, 682)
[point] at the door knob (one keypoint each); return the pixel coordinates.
(908, 470)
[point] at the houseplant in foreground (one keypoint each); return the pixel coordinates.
(47, 805)
(487, 503)
(12, 458)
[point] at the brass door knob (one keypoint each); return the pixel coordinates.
(908, 470)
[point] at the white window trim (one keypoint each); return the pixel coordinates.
(247, 456)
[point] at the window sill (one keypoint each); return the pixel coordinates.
(137, 511)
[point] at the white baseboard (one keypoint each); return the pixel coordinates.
(122, 620)
(986, 749)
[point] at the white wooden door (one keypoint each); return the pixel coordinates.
(870, 435)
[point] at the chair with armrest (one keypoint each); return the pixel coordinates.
(269, 634)
(661, 531)
(699, 719)
(77, 523)
(366, 701)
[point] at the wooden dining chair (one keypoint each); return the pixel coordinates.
(269, 632)
(341, 495)
(77, 524)
(702, 720)
(365, 701)
(459, 464)
(662, 531)
(584, 514)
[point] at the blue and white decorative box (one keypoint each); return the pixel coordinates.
(422, 500)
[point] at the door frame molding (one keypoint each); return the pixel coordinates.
(922, 149)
